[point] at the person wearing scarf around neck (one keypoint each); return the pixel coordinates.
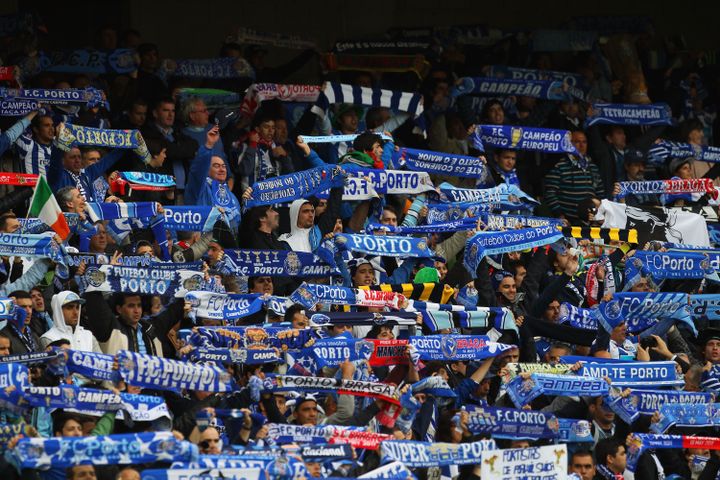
(207, 182)
(503, 168)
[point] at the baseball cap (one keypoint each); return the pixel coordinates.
(73, 297)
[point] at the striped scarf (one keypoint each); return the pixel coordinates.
(432, 292)
(372, 97)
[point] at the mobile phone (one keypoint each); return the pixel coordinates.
(648, 342)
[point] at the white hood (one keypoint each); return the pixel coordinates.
(80, 339)
(298, 238)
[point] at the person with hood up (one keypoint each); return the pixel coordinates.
(66, 324)
(305, 235)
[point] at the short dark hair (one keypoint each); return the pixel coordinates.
(256, 213)
(4, 218)
(252, 280)
(365, 141)
(162, 100)
(61, 419)
(605, 447)
(582, 453)
(291, 311)
(19, 294)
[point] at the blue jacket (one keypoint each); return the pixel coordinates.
(58, 177)
(199, 190)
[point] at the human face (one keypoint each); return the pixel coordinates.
(306, 216)
(389, 218)
(71, 428)
(98, 242)
(71, 313)
(511, 356)
(281, 131)
(712, 351)
(635, 171)
(165, 114)
(131, 310)
(442, 269)
(602, 415)
(129, 474)
(27, 304)
(300, 320)
(267, 130)
(77, 204)
(508, 289)
(696, 137)
(339, 329)
(520, 274)
(641, 286)
(45, 130)
(619, 333)
(149, 60)
(209, 442)
(617, 138)
(12, 225)
(306, 413)
(349, 122)
(90, 157)
(314, 469)
(4, 346)
(364, 276)
(552, 312)
(584, 466)
(215, 252)
(579, 140)
(506, 160)
(684, 172)
(218, 171)
(198, 116)
(271, 219)
(83, 472)
(263, 285)
(72, 160)
(144, 250)
(386, 333)
(321, 207)
(553, 355)
(38, 300)
(618, 462)
(496, 114)
(137, 115)
(377, 150)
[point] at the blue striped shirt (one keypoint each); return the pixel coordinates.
(35, 156)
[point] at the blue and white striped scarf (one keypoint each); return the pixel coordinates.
(373, 97)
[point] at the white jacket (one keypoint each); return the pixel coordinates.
(80, 338)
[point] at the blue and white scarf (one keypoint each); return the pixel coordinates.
(328, 319)
(492, 243)
(669, 264)
(629, 114)
(76, 225)
(455, 226)
(638, 374)
(171, 279)
(665, 149)
(457, 347)
(100, 137)
(126, 217)
(384, 245)
(241, 356)
(71, 96)
(512, 423)
(372, 97)
(509, 222)
(335, 138)
(163, 374)
(72, 396)
(575, 431)
(426, 454)
(221, 306)
(642, 310)
(500, 194)
(483, 317)
(296, 383)
(35, 246)
(448, 212)
(125, 449)
(495, 87)
(148, 178)
(518, 73)
(395, 181)
(33, 357)
(287, 433)
(274, 263)
(14, 379)
(140, 407)
(524, 390)
(707, 305)
(309, 295)
(287, 188)
(216, 68)
(577, 317)
(190, 218)
(681, 414)
(647, 402)
(441, 163)
(75, 259)
(523, 138)
(391, 471)
(118, 61)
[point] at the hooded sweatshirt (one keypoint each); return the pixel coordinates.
(80, 339)
(301, 239)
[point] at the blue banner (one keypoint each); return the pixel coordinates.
(512, 423)
(707, 305)
(148, 178)
(274, 263)
(191, 218)
(518, 73)
(457, 347)
(425, 454)
(503, 193)
(119, 61)
(664, 149)
(71, 96)
(29, 245)
(228, 355)
(642, 310)
(650, 374)
(101, 137)
(395, 181)
(14, 379)
(72, 396)
(455, 226)
(577, 317)
(647, 402)
(171, 279)
(384, 245)
(495, 87)
(218, 68)
(443, 163)
(493, 243)
(163, 374)
(287, 188)
(629, 114)
(221, 306)
(523, 138)
(524, 390)
(126, 449)
(669, 264)
(695, 415)
(92, 365)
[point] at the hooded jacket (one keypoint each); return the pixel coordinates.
(301, 239)
(79, 337)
